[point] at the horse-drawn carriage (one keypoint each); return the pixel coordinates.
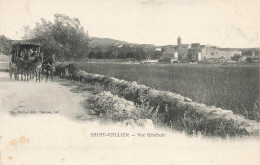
(27, 60)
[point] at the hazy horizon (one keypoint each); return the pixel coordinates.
(223, 23)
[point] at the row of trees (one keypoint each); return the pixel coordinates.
(137, 55)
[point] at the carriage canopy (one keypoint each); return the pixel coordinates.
(26, 42)
(19, 45)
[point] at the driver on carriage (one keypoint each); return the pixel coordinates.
(35, 57)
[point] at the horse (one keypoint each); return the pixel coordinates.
(12, 70)
(49, 71)
(35, 67)
(12, 66)
(48, 66)
(22, 66)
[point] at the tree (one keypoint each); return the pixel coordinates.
(249, 59)
(5, 45)
(139, 55)
(64, 37)
(236, 57)
(130, 55)
(91, 54)
(122, 55)
(157, 55)
(100, 55)
(109, 55)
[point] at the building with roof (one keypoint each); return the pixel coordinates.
(169, 54)
(183, 49)
(217, 53)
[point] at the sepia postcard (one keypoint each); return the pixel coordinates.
(129, 82)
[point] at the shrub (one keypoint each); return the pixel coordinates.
(111, 106)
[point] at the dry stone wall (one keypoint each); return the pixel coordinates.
(175, 111)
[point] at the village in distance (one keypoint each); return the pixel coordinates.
(104, 48)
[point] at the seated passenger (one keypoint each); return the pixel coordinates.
(37, 57)
(22, 57)
(30, 55)
(22, 53)
(26, 56)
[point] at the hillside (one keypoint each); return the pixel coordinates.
(105, 41)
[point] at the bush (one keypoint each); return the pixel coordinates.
(112, 107)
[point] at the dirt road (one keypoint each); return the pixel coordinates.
(34, 98)
(44, 123)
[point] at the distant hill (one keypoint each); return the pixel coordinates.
(105, 41)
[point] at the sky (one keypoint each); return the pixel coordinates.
(224, 23)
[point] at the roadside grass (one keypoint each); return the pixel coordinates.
(162, 109)
(180, 120)
(234, 87)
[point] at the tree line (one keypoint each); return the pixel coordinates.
(121, 53)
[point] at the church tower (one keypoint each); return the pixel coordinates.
(179, 41)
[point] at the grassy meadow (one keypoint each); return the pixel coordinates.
(234, 87)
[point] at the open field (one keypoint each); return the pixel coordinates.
(234, 87)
